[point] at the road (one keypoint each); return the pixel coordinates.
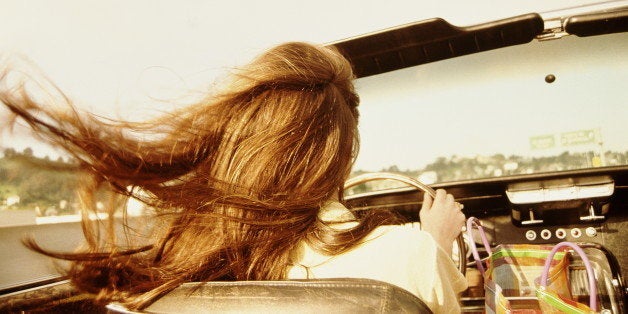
(20, 267)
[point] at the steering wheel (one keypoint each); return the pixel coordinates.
(363, 178)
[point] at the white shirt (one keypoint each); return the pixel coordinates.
(402, 255)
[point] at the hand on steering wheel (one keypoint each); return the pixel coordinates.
(438, 209)
(442, 218)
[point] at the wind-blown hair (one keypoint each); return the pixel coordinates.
(238, 178)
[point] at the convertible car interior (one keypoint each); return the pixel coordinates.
(588, 206)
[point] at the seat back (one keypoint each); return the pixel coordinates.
(339, 295)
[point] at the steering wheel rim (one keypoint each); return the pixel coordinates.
(363, 178)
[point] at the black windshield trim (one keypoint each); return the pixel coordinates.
(433, 40)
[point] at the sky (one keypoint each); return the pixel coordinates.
(134, 59)
(494, 102)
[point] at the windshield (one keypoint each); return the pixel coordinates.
(541, 107)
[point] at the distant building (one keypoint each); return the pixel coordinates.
(13, 200)
(428, 177)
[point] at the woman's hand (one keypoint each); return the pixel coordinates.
(442, 217)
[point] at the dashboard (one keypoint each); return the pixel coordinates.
(588, 207)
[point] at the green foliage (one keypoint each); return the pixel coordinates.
(44, 183)
(37, 181)
(456, 168)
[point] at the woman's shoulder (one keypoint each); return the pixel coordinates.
(396, 240)
(407, 233)
(405, 242)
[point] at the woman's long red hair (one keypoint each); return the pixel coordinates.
(237, 179)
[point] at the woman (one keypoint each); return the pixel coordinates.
(247, 183)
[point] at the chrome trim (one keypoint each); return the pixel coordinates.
(554, 21)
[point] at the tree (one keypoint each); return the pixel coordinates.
(28, 152)
(9, 152)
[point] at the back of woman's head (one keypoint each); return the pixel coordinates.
(292, 128)
(282, 136)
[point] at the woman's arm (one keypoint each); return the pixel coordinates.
(442, 217)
